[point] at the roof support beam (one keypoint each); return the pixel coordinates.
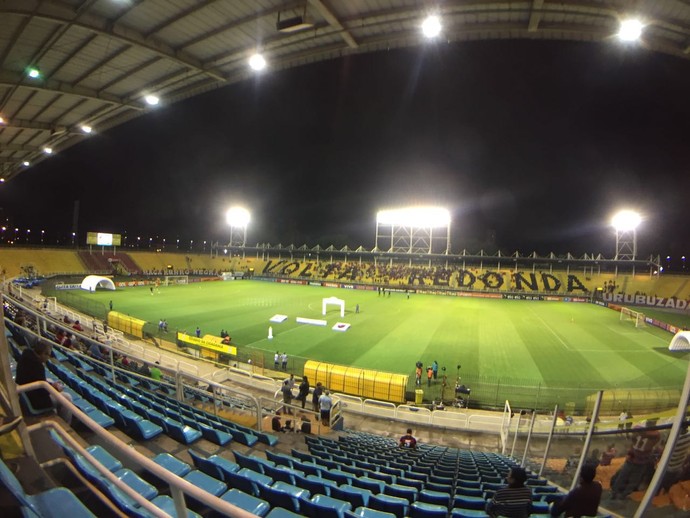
(8, 78)
(38, 126)
(334, 22)
(60, 13)
(535, 15)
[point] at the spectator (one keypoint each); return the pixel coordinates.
(198, 332)
(608, 455)
(318, 390)
(637, 462)
(408, 440)
(145, 371)
(95, 352)
(277, 425)
(325, 405)
(286, 392)
(276, 360)
(284, 360)
(77, 326)
(155, 372)
(303, 390)
(584, 499)
(30, 368)
(514, 500)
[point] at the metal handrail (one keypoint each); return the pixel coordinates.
(178, 486)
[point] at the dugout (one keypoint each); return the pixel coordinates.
(365, 383)
(635, 401)
(126, 324)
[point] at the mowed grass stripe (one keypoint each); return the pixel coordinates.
(552, 343)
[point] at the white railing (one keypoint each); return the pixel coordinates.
(178, 486)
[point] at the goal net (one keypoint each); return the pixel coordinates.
(171, 280)
(633, 316)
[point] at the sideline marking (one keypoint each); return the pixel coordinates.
(547, 326)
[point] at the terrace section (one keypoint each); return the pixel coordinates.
(109, 262)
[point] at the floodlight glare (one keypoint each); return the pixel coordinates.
(630, 30)
(257, 62)
(33, 73)
(26, 163)
(2, 120)
(626, 220)
(152, 100)
(86, 129)
(415, 217)
(48, 150)
(431, 27)
(237, 217)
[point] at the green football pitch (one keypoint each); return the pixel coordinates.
(526, 343)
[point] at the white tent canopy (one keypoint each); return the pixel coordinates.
(91, 282)
(680, 342)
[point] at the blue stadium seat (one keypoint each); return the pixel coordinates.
(390, 504)
(168, 505)
(366, 512)
(281, 496)
(204, 465)
(247, 502)
(280, 459)
(57, 502)
(279, 512)
(205, 482)
(424, 510)
(406, 492)
(434, 497)
(322, 506)
(172, 464)
(224, 465)
(468, 513)
(357, 496)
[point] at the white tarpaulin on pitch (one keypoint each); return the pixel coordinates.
(91, 282)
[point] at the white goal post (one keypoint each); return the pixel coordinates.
(633, 316)
(334, 301)
(171, 280)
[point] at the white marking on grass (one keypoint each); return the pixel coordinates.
(547, 326)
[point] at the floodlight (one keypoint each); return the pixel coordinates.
(257, 62)
(152, 100)
(26, 163)
(431, 27)
(630, 30)
(86, 129)
(415, 217)
(33, 73)
(626, 220)
(237, 217)
(2, 120)
(2, 180)
(48, 150)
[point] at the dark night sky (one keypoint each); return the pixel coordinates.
(535, 143)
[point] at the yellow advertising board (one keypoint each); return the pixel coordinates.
(207, 343)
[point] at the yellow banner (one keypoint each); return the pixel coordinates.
(206, 344)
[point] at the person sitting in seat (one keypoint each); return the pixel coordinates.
(514, 500)
(584, 499)
(277, 425)
(408, 440)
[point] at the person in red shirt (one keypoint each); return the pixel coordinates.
(408, 440)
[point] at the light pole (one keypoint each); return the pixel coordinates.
(238, 219)
(625, 224)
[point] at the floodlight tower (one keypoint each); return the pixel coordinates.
(411, 230)
(238, 219)
(625, 224)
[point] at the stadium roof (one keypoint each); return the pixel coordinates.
(95, 61)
